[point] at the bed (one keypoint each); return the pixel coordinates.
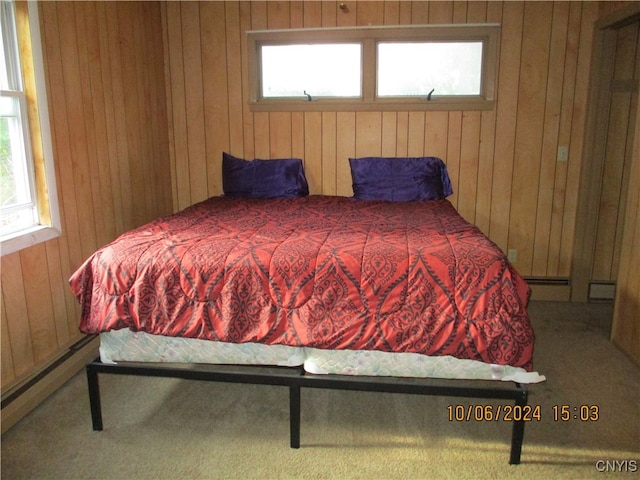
(389, 290)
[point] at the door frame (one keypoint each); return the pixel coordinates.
(602, 58)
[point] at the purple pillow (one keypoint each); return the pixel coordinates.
(277, 178)
(400, 179)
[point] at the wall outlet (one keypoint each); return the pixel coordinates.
(563, 153)
(512, 255)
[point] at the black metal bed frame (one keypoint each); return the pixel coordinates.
(295, 378)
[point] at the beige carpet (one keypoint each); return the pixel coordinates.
(177, 429)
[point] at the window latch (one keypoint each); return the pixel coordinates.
(428, 97)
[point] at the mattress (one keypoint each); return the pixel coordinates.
(125, 345)
(388, 364)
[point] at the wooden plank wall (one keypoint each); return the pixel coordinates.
(625, 331)
(116, 167)
(105, 78)
(502, 162)
(618, 144)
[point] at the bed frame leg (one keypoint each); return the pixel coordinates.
(517, 434)
(517, 437)
(294, 415)
(94, 398)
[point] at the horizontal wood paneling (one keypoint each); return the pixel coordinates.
(105, 78)
(502, 162)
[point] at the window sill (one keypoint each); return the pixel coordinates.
(27, 238)
(475, 104)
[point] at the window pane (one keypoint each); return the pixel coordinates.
(18, 220)
(321, 70)
(10, 78)
(16, 204)
(415, 69)
(14, 178)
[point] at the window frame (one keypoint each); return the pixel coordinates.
(39, 144)
(369, 37)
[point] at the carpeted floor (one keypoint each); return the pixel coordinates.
(177, 429)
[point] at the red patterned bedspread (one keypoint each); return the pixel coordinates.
(319, 271)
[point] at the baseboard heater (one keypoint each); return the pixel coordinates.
(547, 281)
(549, 288)
(19, 400)
(602, 291)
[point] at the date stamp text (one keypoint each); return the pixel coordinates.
(522, 413)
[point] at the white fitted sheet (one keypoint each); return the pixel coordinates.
(125, 345)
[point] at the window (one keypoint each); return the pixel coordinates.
(450, 68)
(16, 174)
(28, 202)
(322, 70)
(435, 67)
